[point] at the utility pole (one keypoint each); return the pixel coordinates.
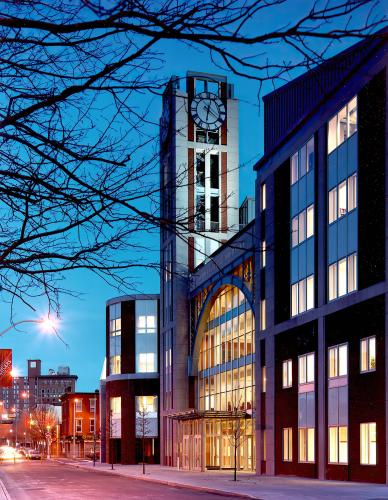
(94, 435)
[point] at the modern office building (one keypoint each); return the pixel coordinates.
(130, 386)
(280, 326)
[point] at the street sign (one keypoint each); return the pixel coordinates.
(5, 367)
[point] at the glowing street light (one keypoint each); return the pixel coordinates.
(48, 324)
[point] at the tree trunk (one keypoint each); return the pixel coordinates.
(235, 462)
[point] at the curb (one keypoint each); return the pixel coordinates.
(203, 489)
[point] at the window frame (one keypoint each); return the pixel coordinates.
(337, 444)
(287, 439)
(287, 374)
(367, 341)
(335, 128)
(369, 443)
(305, 358)
(336, 349)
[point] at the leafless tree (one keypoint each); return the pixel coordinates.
(143, 429)
(78, 155)
(235, 429)
(41, 425)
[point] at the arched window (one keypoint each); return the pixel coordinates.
(226, 360)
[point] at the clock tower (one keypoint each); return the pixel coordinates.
(199, 210)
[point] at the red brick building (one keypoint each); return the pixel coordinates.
(80, 425)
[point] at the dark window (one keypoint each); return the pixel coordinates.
(200, 177)
(214, 172)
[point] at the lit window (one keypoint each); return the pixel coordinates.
(310, 221)
(295, 231)
(146, 362)
(338, 361)
(78, 425)
(263, 321)
(263, 254)
(368, 354)
(306, 444)
(310, 292)
(287, 444)
(306, 368)
(78, 405)
(115, 319)
(338, 445)
(352, 273)
(263, 189)
(302, 226)
(352, 192)
(263, 379)
(115, 417)
(302, 161)
(342, 125)
(294, 299)
(332, 205)
(148, 404)
(343, 277)
(352, 116)
(302, 295)
(333, 282)
(115, 365)
(368, 444)
(332, 134)
(287, 374)
(342, 199)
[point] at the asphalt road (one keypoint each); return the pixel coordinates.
(50, 480)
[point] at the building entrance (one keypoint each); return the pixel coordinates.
(210, 440)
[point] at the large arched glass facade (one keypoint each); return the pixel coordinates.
(226, 377)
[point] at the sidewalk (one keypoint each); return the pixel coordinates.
(247, 486)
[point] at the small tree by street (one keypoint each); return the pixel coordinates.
(41, 424)
(144, 417)
(236, 431)
(142, 429)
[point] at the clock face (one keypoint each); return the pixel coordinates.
(208, 111)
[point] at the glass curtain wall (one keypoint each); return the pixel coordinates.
(226, 377)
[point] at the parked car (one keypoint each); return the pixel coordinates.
(33, 455)
(90, 455)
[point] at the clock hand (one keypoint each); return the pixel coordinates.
(211, 112)
(208, 109)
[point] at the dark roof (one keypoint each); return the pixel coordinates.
(287, 107)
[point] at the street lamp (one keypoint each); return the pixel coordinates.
(75, 402)
(47, 323)
(48, 440)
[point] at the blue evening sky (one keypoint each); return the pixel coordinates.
(83, 318)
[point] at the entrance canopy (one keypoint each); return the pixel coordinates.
(193, 414)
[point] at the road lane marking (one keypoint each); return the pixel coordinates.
(3, 491)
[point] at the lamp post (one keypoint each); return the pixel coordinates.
(74, 428)
(47, 323)
(48, 440)
(94, 433)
